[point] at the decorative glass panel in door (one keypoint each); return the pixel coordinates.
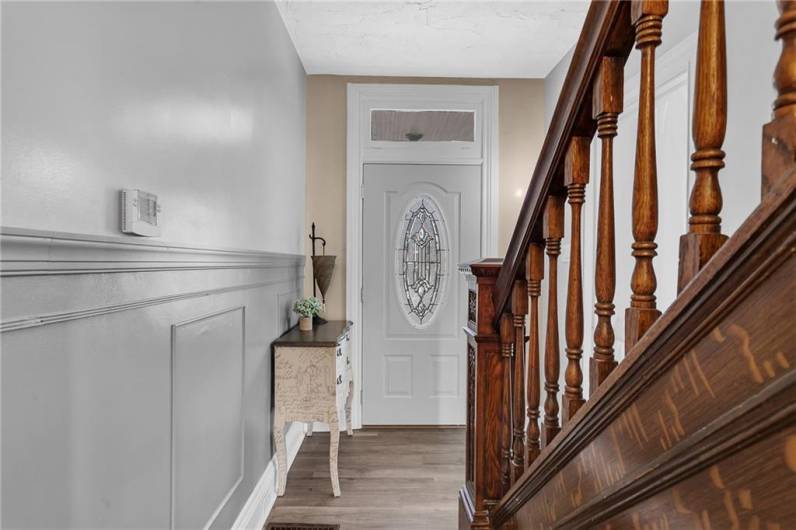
(421, 260)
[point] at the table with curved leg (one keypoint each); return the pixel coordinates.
(313, 383)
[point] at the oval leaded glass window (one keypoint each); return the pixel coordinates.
(421, 260)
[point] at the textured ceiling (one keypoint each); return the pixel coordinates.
(460, 38)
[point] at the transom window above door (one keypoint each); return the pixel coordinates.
(423, 123)
(393, 125)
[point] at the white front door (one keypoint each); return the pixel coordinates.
(420, 222)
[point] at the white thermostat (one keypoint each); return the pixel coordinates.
(140, 213)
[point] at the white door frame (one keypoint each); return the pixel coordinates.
(361, 150)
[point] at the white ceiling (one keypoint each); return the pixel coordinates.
(440, 38)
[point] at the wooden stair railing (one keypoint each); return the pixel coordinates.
(704, 235)
(576, 176)
(696, 427)
(519, 308)
(607, 105)
(553, 232)
(534, 275)
(647, 16)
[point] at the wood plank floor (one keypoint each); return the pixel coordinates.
(389, 479)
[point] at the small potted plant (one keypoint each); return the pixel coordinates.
(307, 308)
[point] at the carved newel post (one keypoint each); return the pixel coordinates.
(487, 395)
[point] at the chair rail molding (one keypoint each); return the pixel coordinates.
(26, 252)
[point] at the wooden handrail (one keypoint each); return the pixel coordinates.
(761, 244)
(704, 386)
(607, 32)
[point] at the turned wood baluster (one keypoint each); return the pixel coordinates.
(519, 308)
(507, 421)
(534, 274)
(647, 17)
(779, 135)
(704, 235)
(606, 107)
(576, 176)
(553, 228)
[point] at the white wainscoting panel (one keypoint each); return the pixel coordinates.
(98, 343)
(207, 367)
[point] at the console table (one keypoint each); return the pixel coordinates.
(312, 380)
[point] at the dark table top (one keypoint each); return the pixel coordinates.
(322, 335)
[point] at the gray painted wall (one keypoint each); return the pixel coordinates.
(201, 103)
(552, 86)
(136, 376)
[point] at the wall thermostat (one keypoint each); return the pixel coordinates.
(140, 213)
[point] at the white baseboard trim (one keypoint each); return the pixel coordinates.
(320, 427)
(258, 506)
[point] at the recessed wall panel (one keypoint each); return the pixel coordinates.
(207, 415)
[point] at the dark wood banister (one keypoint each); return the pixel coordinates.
(754, 243)
(607, 31)
(694, 410)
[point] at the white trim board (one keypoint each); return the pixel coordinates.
(32, 321)
(361, 150)
(26, 252)
(258, 506)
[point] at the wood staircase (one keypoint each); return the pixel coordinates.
(696, 427)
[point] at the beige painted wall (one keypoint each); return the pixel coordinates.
(521, 132)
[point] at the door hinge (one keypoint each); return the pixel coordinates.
(362, 191)
(362, 294)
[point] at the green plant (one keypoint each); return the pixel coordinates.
(307, 307)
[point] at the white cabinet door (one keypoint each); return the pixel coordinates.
(420, 221)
